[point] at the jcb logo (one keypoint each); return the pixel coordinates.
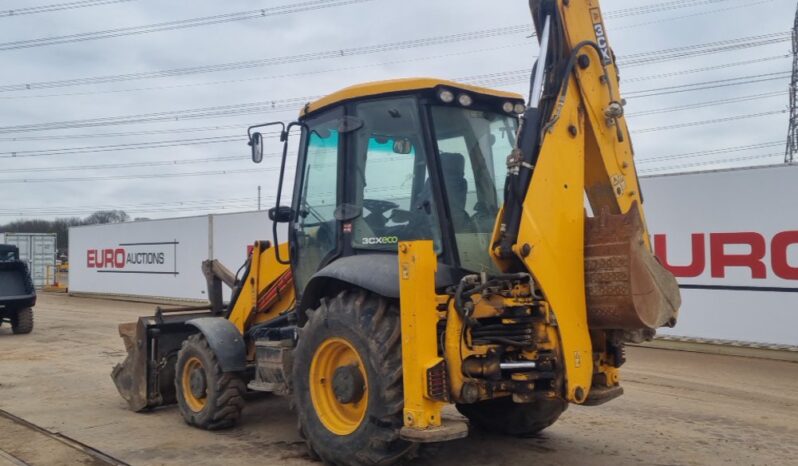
(370, 241)
(601, 37)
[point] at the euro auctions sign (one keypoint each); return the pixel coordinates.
(749, 256)
(141, 258)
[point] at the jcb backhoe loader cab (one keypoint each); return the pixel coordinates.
(395, 161)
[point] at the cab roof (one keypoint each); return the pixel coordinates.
(377, 88)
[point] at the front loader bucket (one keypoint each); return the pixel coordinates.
(146, 378)
(130, 376)
(627, 288)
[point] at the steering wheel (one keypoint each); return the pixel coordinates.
(379, 207)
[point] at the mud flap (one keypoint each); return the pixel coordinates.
(627, 287)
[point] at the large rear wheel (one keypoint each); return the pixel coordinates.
(503, 416)
(22, 321)
(208, 398)
(348, 381)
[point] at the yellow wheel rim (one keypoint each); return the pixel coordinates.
(338, 417)
(195, 402)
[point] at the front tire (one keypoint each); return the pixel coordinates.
(348, 381)
(22, 321)
(503, 416)
(208, 398)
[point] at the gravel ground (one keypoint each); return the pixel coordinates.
(680, 408)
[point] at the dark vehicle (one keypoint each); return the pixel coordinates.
(17, 295)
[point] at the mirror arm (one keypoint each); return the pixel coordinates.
(284, 138)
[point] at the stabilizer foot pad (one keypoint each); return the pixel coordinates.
(450, 429)
(601, 395)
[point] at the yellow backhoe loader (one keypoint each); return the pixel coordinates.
(447, 244)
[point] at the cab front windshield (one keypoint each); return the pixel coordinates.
(473, 146)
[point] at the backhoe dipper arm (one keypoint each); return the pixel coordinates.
(573, 142)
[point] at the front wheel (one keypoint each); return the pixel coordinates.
(348, 381)
(22, 321)
(208, 398)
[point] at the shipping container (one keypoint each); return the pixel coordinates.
(160, 258)
(39, 251)
(731, 239)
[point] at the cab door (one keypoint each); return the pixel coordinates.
(315, 232)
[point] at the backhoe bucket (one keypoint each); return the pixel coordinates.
(627, 287)
(146, 378)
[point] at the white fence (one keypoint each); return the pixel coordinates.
(731, 237)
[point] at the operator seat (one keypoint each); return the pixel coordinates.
(456, 186)
(453, 171)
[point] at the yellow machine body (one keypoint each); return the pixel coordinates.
(542, 325)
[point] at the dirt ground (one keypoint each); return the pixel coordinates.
(680, 408)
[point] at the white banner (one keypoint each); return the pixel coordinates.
(731, 239)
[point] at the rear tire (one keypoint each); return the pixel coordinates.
(208, 398)
(359, 330)
(502, 416)
(22, 321)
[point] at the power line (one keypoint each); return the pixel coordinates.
(94, 207)
(721, 66)
(148, 164)
(708, 122)
(172, 115)
(516, 74)
(711, 162)
(704, 153)
(120, 147)
(57, 7)
(281, 60)
(180, 24)
(469, 51)
(239, 206)
(266, 12)
(711, 103)
(122, 134)
(713, 11)
(140, 176)
(704, 49)
(660, 7)
(293, 104)
(210, 160)
(706, 85)
(313, 56)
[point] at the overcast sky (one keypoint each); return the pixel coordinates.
(72, 188)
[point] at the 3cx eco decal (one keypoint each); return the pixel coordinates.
(142, 258)
(379, 240)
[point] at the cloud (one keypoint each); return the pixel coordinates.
(345, 27)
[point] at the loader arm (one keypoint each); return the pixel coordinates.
(264, 293)
(596, 272)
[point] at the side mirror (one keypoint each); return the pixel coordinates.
(280, 214)
(256, 143)
(402, 146)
